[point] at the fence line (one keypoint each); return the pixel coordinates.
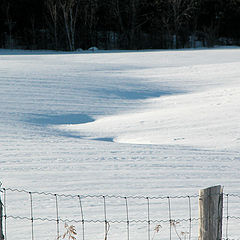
(149, 221)
(101, 196)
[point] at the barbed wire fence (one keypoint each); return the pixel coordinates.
(41, 215)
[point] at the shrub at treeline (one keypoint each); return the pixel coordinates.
(118, 24)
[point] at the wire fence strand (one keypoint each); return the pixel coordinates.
(127, 219)
(82, 216)
(190, 217)
(148, 218)
(31, 214)
(101, 196)
(57, 216)
(5, 212)
(170, 218)
(108, 216)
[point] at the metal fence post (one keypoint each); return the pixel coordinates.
(210, 213)
(1, 220)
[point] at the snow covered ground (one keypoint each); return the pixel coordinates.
(152, 123)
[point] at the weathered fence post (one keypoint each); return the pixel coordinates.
(1, 220)
(210, 213)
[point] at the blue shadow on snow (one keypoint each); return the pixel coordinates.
(106, 139)
(135, 95)
(43, 119)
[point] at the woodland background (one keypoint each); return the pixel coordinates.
(118, 24)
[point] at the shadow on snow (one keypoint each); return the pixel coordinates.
(44, 119)
(136, 95)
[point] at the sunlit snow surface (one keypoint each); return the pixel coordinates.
(146, 123)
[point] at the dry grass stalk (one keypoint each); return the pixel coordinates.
(70, 231)
(182, 234)
(156, 230)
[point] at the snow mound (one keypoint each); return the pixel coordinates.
(206, 119)
(93, 49)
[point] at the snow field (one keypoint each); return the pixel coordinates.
(152, 123)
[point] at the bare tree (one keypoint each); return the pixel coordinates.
(182, 11)
(128, 19)
(10, 24)
(53, 9)
(174, 14)
(70, 10)
(195, 18)
(133, 21)
(90, 19)
(33, 32)
(117, 13)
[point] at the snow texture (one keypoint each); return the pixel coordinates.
(127, 123)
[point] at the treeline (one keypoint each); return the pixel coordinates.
(118, 24)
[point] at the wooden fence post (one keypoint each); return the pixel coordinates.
(1, 220)
(210, 213)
